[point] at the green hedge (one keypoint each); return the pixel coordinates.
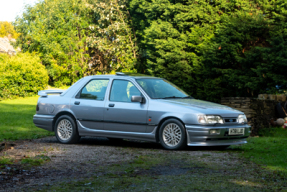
(214, 48)
(21, 75)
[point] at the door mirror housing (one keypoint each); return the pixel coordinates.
(137, 98)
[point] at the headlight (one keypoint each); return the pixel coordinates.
(209, 119)
(242, 119)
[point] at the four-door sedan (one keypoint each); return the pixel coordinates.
(138, 107)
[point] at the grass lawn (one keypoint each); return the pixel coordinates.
(16, 119)
(269, 150)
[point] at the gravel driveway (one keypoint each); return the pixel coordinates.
(96, 157)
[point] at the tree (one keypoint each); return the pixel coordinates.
(58, 31)
(75, 38)
(213, 48)
(6, 29)
(113, 38)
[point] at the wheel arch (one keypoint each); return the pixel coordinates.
(63, 113)
(162, 121)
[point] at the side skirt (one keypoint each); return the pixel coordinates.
(84, 131)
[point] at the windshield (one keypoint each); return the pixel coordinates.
(161, 89)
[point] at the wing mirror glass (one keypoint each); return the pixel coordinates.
(136, 98)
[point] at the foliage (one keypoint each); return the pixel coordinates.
(75, 38)
(209, 48)
(16, 119)
(21, 75)
(249, 61)
(6, 29)
(113, 39)
(57, 30)
(213, 48)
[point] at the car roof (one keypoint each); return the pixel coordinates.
(125, 76)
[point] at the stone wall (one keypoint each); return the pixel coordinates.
(240, 103)
(260, 111)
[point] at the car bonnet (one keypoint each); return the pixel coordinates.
(202, 106)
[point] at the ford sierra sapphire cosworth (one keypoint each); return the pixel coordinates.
(138, 107)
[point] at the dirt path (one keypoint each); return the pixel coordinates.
(100, 158)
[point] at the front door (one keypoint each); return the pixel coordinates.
(120, 113)
(89, 104)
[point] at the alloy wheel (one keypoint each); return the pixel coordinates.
(65, 129)
(172, 134)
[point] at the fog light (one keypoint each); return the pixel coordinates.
(214, 132)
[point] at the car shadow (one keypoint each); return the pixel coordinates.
(128, 143)
(102, 141)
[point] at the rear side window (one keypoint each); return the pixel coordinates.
(95, 89)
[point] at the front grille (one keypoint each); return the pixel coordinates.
(231, 120)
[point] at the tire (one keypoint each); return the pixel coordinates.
(66, 124)
(167, 130)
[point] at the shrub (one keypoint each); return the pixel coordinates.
(214, 48)
(21, 75)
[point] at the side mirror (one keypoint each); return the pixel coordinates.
(136, 98)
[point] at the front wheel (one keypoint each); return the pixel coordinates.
(66, 130)
(172, 134)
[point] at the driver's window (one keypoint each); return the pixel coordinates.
(123, 91)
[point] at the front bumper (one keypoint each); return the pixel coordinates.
(44, 121)
(198, 135)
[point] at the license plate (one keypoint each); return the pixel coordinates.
(236, 131)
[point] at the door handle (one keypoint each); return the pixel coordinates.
(111, 105)
(77, 103)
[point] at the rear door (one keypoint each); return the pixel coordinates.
(120, 113)
(89, 104)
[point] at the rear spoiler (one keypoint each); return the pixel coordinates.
(45, 93)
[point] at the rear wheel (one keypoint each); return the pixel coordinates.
(172, 134)
(66, 130)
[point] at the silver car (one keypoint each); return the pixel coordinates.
(138, 107)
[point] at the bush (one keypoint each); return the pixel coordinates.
(21, 75)
(214, 48)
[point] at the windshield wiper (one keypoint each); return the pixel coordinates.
(175, 97)
(187, 97)
(170, 97)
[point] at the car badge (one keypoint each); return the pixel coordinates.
(231, 120)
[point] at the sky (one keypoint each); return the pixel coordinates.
(9, 9)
